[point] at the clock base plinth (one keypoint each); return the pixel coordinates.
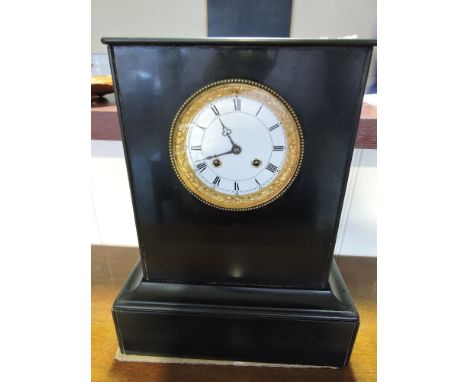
(247, 324)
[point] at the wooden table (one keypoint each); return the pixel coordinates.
(110, 268)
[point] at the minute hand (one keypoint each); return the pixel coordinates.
(216, 155)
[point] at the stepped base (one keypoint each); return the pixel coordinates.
(237, 324)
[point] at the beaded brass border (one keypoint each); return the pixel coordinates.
(179, 132)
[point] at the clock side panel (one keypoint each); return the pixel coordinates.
(288, 243)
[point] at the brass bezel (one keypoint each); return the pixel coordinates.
(178, 139)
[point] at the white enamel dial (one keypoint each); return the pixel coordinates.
(236, 145)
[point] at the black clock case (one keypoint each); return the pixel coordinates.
(257, 286)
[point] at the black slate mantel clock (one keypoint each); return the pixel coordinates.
(238, 153)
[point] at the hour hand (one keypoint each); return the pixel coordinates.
(227, 132)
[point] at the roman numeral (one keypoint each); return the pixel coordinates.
(271, 167)
(216, 181)
(259, 109)
(237, 104)
(215, 110)
(278, 148)
(201, 127)
(256, 181)
(273, 127)
(201, 166)
(236, 186)
(195, 148)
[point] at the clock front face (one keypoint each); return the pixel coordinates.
(236, 145)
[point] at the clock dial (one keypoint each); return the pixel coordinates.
(236, 145)
(240, 150)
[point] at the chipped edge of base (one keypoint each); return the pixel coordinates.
(119, 356)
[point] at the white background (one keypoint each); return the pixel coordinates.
(113, 222)
(44, 204)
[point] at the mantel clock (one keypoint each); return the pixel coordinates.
(238, 153)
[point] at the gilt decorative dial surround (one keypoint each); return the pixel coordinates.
(236, 145)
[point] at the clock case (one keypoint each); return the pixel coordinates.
(254, 286)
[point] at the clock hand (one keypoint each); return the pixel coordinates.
(216, 155)
(227, 132)
(235, 150)
(229, 136)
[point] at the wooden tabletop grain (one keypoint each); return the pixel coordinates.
(110, 268)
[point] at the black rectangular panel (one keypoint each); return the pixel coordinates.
(288, 243)
(247, 18)
(324, 343)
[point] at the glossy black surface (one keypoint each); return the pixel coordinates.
(235, 323)
(288, 243)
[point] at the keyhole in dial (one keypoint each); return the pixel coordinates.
(256, 162)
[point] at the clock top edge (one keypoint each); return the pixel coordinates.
(114, 41)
